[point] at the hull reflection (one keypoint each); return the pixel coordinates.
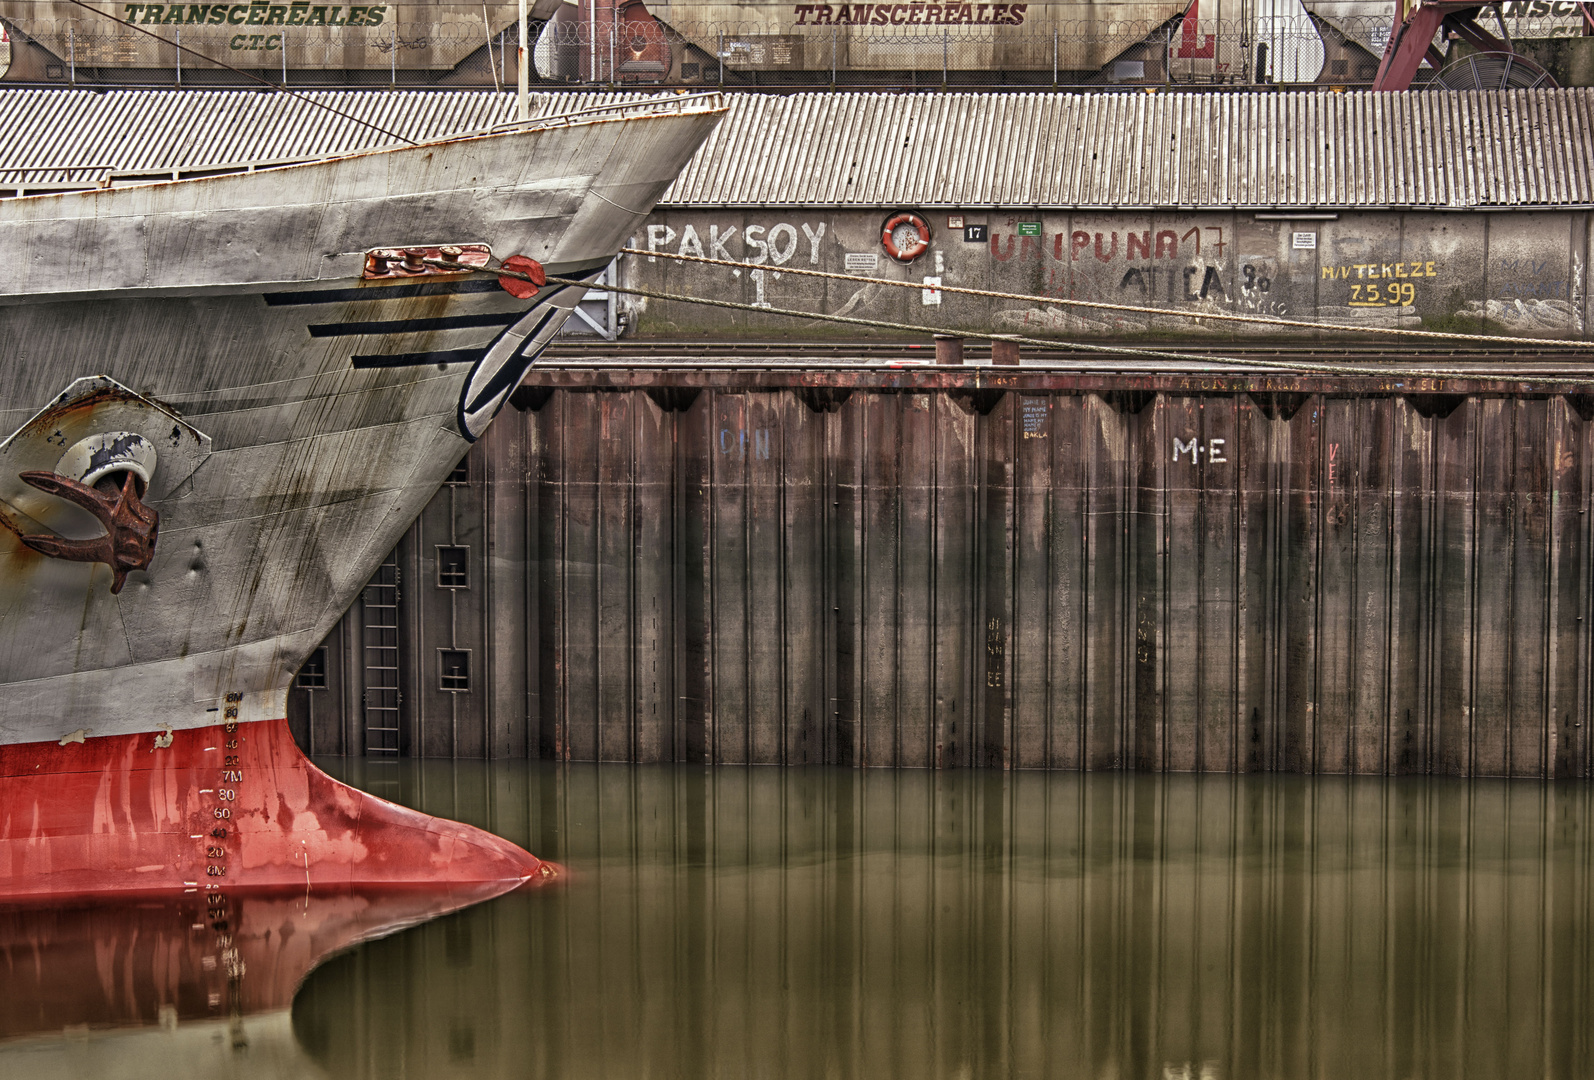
(196, 985)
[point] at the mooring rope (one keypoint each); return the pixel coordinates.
(1050, 343)
(1138, 309)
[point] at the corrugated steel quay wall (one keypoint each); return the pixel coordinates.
(1517, 273)
(1200, 579)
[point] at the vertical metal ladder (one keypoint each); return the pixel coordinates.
(379, 604)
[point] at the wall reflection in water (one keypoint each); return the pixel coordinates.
(744, 923)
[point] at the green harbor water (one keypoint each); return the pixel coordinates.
(733, 923)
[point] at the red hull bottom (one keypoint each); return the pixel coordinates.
(233, 805)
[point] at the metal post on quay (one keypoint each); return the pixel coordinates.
(948, 349)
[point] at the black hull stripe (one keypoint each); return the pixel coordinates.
(414, 326)
(509, 375)
(381, 292)
(420, 359)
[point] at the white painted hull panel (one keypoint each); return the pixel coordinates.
(228, 300)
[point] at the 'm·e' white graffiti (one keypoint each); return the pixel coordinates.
(774, 245)
(1213, 450)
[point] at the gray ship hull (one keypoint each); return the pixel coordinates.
(312, 413)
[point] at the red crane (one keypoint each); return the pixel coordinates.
(1411, 39)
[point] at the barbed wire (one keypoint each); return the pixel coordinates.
(467, 31)
(626, 51)
(585, 32)
(1082, 29)
(602, 30)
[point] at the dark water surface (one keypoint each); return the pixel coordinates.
(736, 924)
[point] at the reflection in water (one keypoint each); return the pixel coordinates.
(748, 923)
(192, 985)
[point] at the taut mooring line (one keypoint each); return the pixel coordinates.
(1102, 305)
(1110, 350)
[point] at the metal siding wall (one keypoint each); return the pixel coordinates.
(694, 569)
(729, 575)
(614, 558)
(581, 656)
(1365, 585)
(653, 602)
(845, 542)
(1454, 568)
(318, 718)
(958, 635)
(1566, 646)
(882, 626)
(1033, 573)
(993, 574)
(449, 723)
(543, 644)
(502, 573)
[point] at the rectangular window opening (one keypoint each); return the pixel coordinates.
(454, 667)
(453, 567)
(461, 473)
(313, 676)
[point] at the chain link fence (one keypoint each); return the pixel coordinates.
(621, 52)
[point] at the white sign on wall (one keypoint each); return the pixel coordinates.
(1305, 240)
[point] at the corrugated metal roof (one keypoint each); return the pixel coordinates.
(1263, 150)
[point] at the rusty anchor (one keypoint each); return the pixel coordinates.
(130, 526)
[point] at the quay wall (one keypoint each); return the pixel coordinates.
(1520, 273)
(1187, 575)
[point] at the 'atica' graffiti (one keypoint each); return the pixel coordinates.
(1170, 277)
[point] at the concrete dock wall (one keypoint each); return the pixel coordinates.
(1205, 578)
(1503, 272)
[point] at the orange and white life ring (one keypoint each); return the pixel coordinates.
(905, 236)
